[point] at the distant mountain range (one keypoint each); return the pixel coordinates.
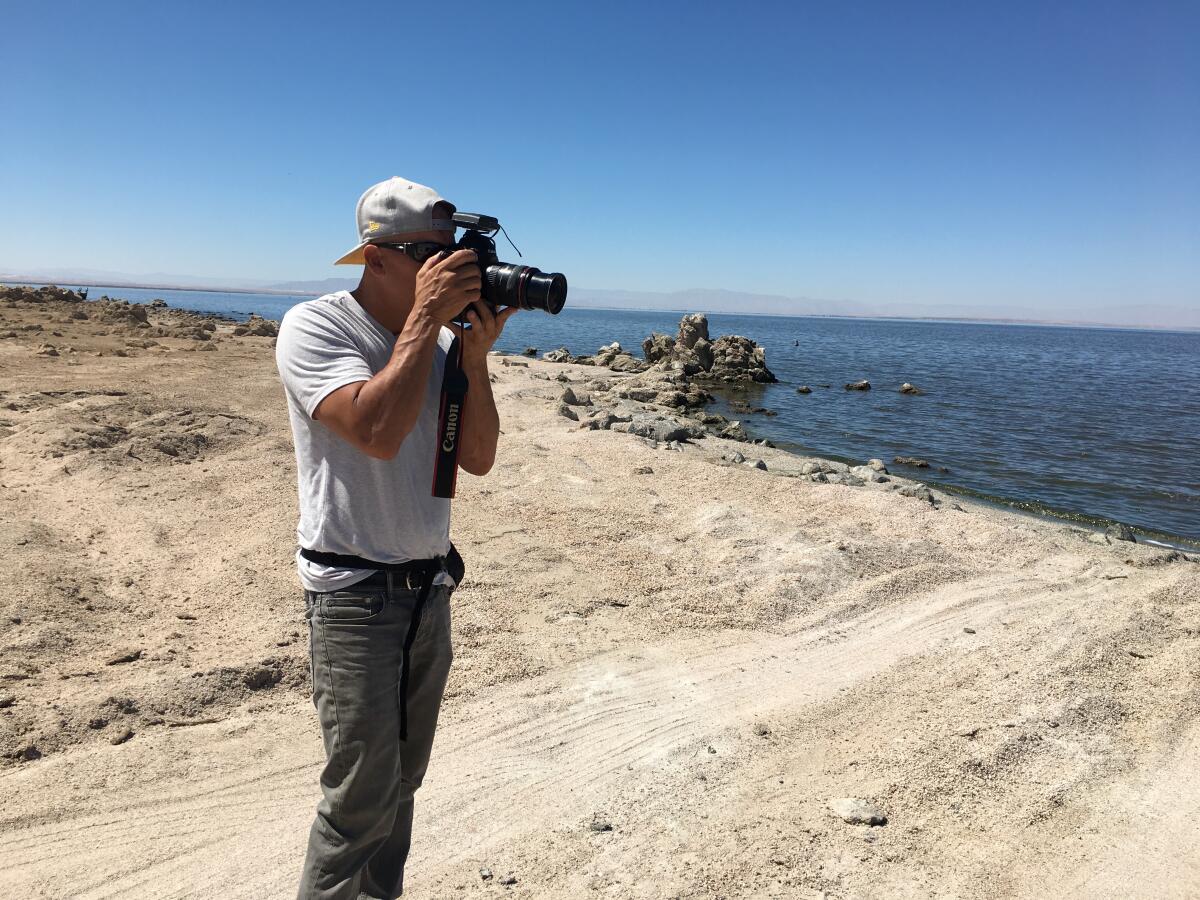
(693, 300)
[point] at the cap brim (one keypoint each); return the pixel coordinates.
(354, 257)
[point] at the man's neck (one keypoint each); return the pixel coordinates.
(390, 312)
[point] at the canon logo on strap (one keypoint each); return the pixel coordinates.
(451, 428)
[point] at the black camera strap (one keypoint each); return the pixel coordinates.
(450, 420)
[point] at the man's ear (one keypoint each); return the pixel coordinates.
(373, 259)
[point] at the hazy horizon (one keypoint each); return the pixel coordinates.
(714, 300)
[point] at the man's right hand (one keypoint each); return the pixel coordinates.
(446, 285)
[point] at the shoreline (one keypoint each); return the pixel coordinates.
(1032, 323)
(1017, 505)
(1035, 508)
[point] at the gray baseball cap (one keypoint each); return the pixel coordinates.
(392, 209)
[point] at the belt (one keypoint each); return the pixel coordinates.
(391, 581)
(452, 563)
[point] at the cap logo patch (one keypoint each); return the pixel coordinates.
(372, 227)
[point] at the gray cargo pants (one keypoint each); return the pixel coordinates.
(360, 838)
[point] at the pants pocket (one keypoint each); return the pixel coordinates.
(351, 608)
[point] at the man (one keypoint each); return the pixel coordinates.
(363, 372)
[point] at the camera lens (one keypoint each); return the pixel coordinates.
(526, 288)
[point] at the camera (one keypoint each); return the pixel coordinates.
(508, 284)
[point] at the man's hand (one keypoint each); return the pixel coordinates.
(484, 331)
(446, 284)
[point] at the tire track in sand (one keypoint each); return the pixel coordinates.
(560, 742)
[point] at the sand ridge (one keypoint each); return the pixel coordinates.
(699, 658)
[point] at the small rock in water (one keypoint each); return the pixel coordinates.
(907, 388)
(863, 385)
(910, 461)
(531, 351)
(804, 389)
(857, 812)
(1119, 531)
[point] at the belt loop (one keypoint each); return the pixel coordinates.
(389, 583)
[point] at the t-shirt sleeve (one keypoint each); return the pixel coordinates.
(315, 357)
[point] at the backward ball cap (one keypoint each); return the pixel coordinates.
(394, 208)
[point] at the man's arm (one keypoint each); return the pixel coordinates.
(377, 415)
(481, 421)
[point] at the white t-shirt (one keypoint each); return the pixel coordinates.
(351, 503)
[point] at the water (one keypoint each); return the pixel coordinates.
(1096, 422)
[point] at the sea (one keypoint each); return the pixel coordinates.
(1094, 425)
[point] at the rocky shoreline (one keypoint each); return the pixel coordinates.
(141, 324)
(662, 397)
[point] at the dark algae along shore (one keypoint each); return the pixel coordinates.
(1093, 424)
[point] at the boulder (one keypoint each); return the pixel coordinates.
(563, 410)
(626, 363)
(617, 359)
(561, 355)
(570, 398)
(868, 473)
(659, 428)
(859, 386)
(907, 388)
(692, 328)
(734, 432)
(1119, 531)
(853, 811)
(254, 326)
(919, 492)
(804, 389)
(658, 348)
(737, 358)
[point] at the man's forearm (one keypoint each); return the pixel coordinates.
(481, 421)
(391, 401)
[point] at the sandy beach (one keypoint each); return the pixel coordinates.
(673, 672)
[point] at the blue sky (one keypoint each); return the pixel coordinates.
(1039, 154)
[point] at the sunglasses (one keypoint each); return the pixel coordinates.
(418, 251)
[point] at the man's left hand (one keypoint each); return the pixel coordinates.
(484, 331)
